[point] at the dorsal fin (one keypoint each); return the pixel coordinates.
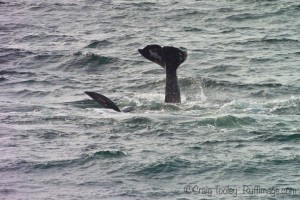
(103, 101)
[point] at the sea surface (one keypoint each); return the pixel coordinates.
(236, 134)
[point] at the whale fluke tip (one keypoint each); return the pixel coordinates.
(153, 52)
(103, 101)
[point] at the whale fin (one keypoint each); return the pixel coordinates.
(173, 57)
(153, 52)
(167, 57)
(103, 101)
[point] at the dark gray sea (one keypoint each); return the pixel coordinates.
(236, 134)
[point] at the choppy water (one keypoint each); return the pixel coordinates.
(238, 125)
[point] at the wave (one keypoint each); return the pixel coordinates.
(31, 82)
(11, 54)
(81, 60)
(50, 61)
(275, 107)
(192, 29)
(108, 154)
(163, 167)
(50, 134)
(288, 9)
(95, 44)
(6, 191)
(86, 61)
(2, 79)
(189, 12)
(212, 83)
(268, 41)
(87, 103)
(280, 40)
(136, 121)
(284, 138)
(41, 37)
(30, 93)
(247, 16)
(294, 161)
(227, 121)
(28, 166)
(79, 161)
(11, 72)
(139, 4)
(222, 68)
(13, 3)
(45, 6)
(286, 107)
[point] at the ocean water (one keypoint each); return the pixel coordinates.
(236, 134)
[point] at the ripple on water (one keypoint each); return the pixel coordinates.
(85, 61)
(283, 138)
(163, 168)
(95, 44)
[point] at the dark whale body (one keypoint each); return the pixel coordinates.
(170, 58)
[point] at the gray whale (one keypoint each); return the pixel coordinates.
(168, 57)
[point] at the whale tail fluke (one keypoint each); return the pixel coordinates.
(168, 57)
(103, 101)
